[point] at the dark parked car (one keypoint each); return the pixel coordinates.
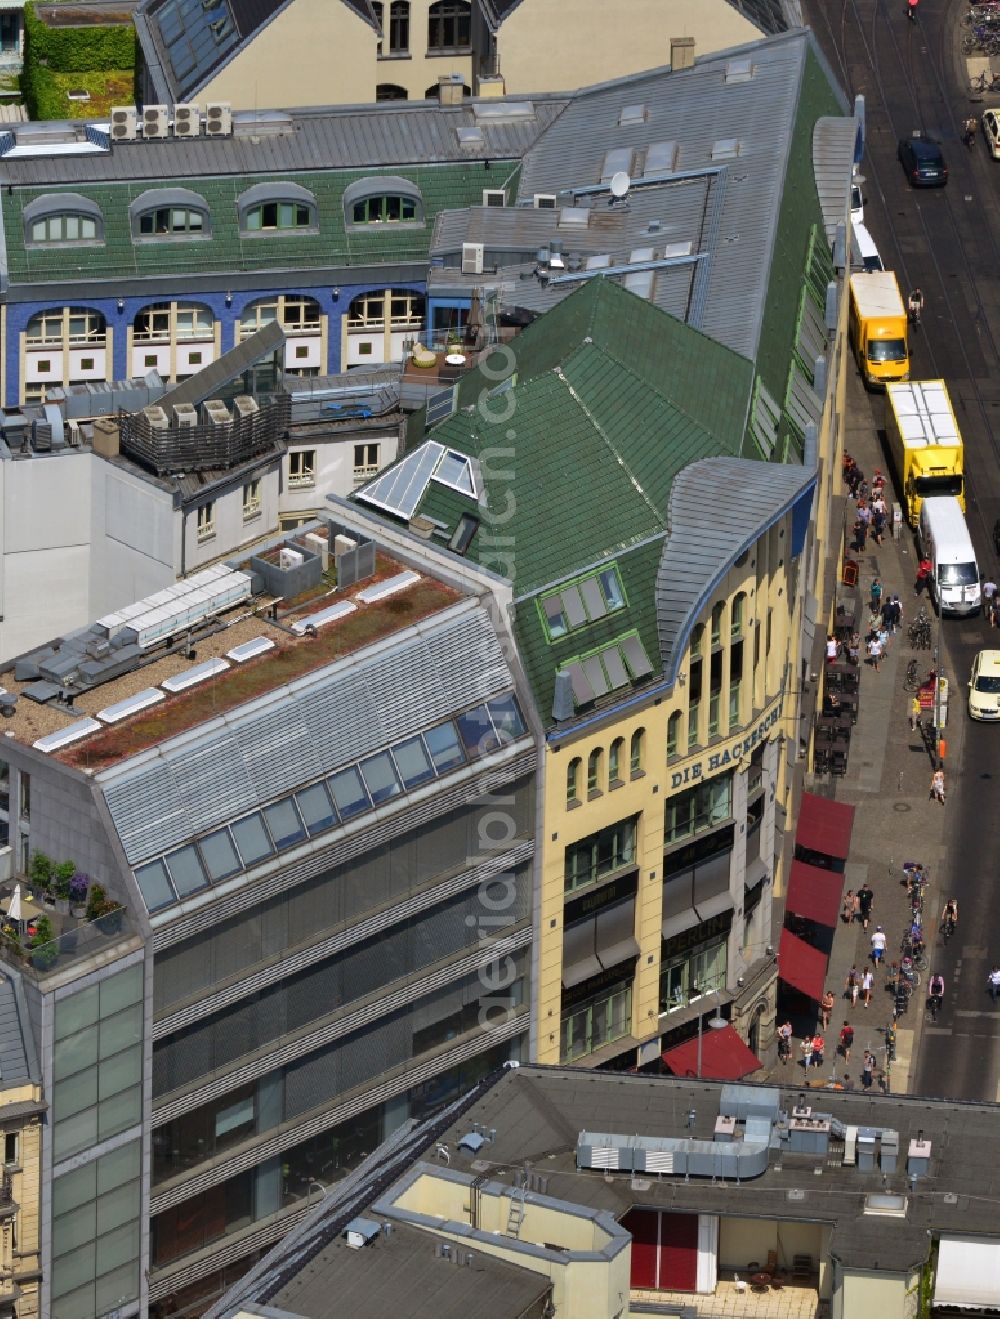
(924, 164)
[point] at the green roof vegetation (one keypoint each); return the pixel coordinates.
(90, 57)
(443, 187)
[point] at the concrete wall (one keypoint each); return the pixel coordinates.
(231, 531)
(334, 468)
(312, 52)
(134, 546)
(597, 42)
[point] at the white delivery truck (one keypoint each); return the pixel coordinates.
(945, 541)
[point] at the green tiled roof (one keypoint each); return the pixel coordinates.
(443, 187)
(612, 399)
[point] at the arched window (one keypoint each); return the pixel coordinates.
(449, 25)
(275, 207)
(674, 733)
(635, 751)
(170, 213)
(388, 199)
(737, 616)
(594, 768)
(615, 760)
(63, 217)
(161, 322)
(390, 91)
(717, 612)
(368, 310)
(573, 779)
(434, 91)
(296, 313)
(66, 325)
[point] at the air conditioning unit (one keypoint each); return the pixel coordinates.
(156, 417)
(154, 121)
(123, 123)
(219, 119)
(245, 405)
(73, 433)
(472, 258)
(187, 120)
(215, 412)
(185, 414)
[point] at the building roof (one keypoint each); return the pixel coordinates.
(18, 1065)
(186, 42)
(543, 1120)
(768, 15)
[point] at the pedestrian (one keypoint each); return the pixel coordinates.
(915, 712)
(854, 648)
(867, 984)
(784, 1041)
(993, 980)
(825, 1008)
(878, 946)
(860, 535)
(832, 649)
(989, 601)
(878, 526)
(847, 1083)
(806, 1049)
(969, 130)
(874, 652)
(818, 1049)
(867, 1070)
(847, 913)
(846, 1040)
(853, 984)
(937, 785)
(876, 593)
(924, 570)
(911, 9)
(865, 899)
(897, 613)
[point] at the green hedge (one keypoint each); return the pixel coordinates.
(77, 49)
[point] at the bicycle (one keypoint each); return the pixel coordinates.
(933, 1006)
(947, 928)
(910, 681)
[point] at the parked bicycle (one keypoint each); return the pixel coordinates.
(911, 682)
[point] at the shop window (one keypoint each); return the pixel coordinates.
(702, 807)
(600, 1021)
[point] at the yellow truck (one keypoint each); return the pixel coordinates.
(879, 328)
(924, 443)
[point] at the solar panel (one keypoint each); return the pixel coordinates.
(440, 406)
(401, 488)
(635, 654)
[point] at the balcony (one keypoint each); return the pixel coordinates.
(731, 1301)
(75, 939)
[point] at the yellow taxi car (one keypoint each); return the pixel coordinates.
(991, 131)
(984, 686)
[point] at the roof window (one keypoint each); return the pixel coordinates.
(726, 148)
(740, 70)
(383, 199)
(63, 217)
(631, 115)
(582, 601)
(169, 213)
(271, 207)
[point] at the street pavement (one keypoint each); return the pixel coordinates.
(888, 783)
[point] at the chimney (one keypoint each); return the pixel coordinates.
(450, 89)
(681, 53)
(107, 438)
(562, 698)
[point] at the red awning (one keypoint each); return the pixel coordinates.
(724, 1056)
(825, 826)
(801, 965)
(815, 893)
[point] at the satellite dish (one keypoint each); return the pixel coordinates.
(620, 183)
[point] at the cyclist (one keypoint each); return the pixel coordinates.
(915, 306)
(949, 919)
(935, 992)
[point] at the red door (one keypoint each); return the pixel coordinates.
(678, 1252)
(644, 1224)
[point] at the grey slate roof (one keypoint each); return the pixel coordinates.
(833, 156)
(14, 1046)
(707, 535)
(253, 754)
(726, 208)
(344, 137)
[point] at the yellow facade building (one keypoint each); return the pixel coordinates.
(21, 1110)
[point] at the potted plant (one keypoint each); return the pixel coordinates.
(96, 899)
(44, 949)
(11, 939)
(78, 887)
(109, 918)
(40, 875)
(62, 876)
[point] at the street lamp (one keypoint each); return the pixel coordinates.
(715, 1023)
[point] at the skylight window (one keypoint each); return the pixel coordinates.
(400, 489)
(455, 471)
(581, 602)
(608, 669)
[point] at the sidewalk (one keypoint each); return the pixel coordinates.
(888, 783)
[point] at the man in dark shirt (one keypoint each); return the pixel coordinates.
(865, 899)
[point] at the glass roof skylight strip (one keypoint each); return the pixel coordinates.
(400, 490)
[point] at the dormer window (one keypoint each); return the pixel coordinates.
(277, 208)
(64, 217)
(169, 213)
(385, 200)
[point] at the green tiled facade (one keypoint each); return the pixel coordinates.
(442, 187)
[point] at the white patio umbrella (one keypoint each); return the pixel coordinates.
(14, 910)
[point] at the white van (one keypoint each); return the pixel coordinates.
(867, 252)
(944, 539)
